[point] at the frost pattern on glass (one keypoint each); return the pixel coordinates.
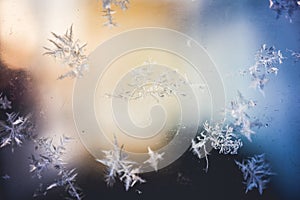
(4, 102)
(15, 130)
(69, 52)
(238, 111)
(256, 172)
(267, 61)
(285, 7)
(295, 55)
(108, 12)
(50, 157)
(154, 158)
(119, 166)
(6, 177)
(219, 137)
(143, 85)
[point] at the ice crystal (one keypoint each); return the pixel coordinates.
(267, 61)
(6, 177)
(238, 110)
(219, 137)
(145, 82)
(154, 158)
(256, 172)
(4, 102)
(119, 166)
(108, 12)
(70, 52)
(286, 7)
(15, 130)
(295, 55)
(51, 157)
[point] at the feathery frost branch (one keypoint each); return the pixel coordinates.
(50, 157)
(119, 166)
(69, 52)
(219, 137)
(256, 172)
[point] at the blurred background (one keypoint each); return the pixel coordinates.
(231, 32)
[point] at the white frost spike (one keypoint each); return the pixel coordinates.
(108, 12)
(294, 54)
(4, 102)
(267, 60)
(154, 158)
(238, 110)
(69, 52)
(15, 130)
(50, 157)
(118, 165)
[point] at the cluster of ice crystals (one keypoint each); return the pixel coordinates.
(267, 61)
(4, 102)
(108, 12)
(238, 110)
(154, 158)
(286, 7)
(50, 156)
(219, 137)
(295, 55)
(15, 130)
(145, 82)
(256, 172)
(119, 166)
(70, 52)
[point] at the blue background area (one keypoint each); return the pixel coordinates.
(281, 104)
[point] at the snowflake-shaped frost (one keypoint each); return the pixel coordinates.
(145, 82)
(118, 165)
(154, 158)
(108, 12)
(70, 52)
(15, 130)
(256, 172)
(4, 102)
(217, 136)
(286, 7)
(238, 110)
(50, 157)
(295, 55)
(267, 61)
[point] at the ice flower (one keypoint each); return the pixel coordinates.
(154, 158)
(119, 166)
(256, 172)
(69, 52)
(15, 130)
(220, 137)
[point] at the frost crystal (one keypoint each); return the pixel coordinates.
(15, 130)
(4, 102)
(295, 55)
(285, 6)
(6, 177)
(256, 172)
(118, 165)
(108, 12)
(267, 61)
(217, 136)
(145, 82)
(154, 158)
(50, 157)
(238, 110)
(70, 52)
